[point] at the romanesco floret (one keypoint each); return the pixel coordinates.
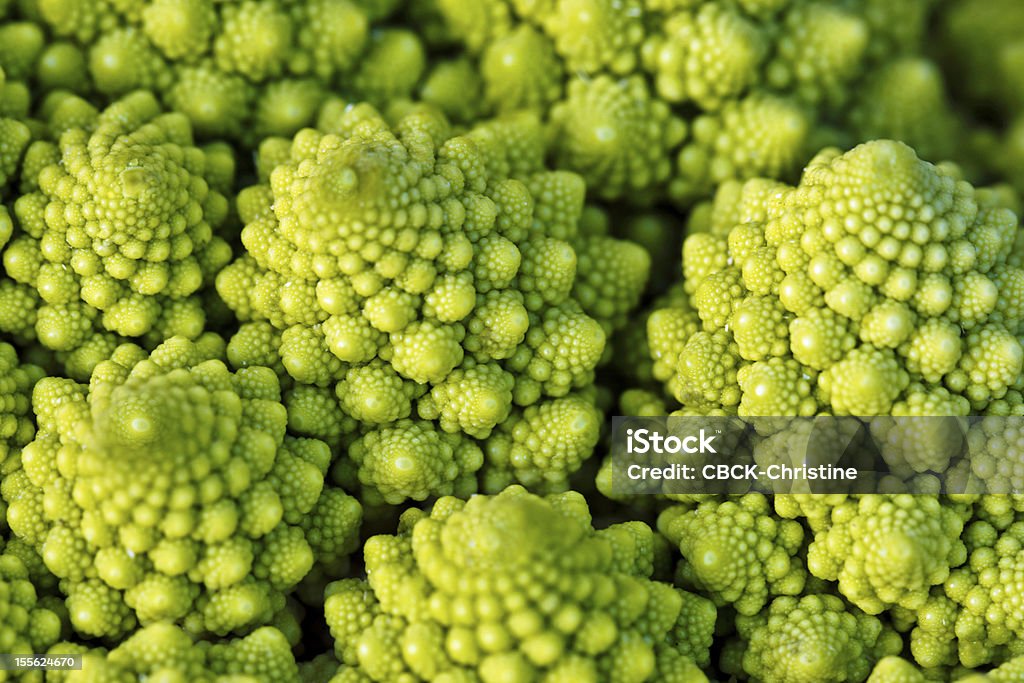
(123, 60)
(597, 35)
(988, 621)
(216, 102)
(413, 459)
(120, 234)
(541, 445)
(392, 66)
(419, 271)
(80, 20)
(163, 651)
(521, 71)
(709, 54)
(885, 269)
(813, 638)
(14, 139)
(474, 24)
(762, 134)
(610, 278)
(893, 669)
(889, 550)
(953, 628)
(22, 43)
(17, 423)
(819, 52)
(736, 551)
(515, 587)
(615, 134)
(997, 452)
(934, 629)
(906, 100)
(168, 490)
(15, 98)
(924, 434)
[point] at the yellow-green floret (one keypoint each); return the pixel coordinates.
(815, 638)
(615, 134)
(119, 235)
(885, 269)
(888, 550)
(421, 271)
(167, 489)
(27, 625)
(515, 587)
(736, 551)
(14, 138)
(163, 651)
(893, 669)
(982, 620)
(17, 423)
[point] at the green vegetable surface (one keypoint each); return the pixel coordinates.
(314, 315)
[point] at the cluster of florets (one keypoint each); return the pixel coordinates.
(666, 99)
(428, 275)
(419, 287)
(973, 619)
(516, 587)
(889, 550)
(27, 625)
(17, 423)
(240, 70)
(811, 638)
(168, 490)
(14, 138)
(880, 287)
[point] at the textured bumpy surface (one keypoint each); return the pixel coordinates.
(120, 231)
(167, 490)
(432, 275)
(516, 585)
(879, 285)
(314, 315)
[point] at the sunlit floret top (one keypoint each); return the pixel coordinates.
(515, 587)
